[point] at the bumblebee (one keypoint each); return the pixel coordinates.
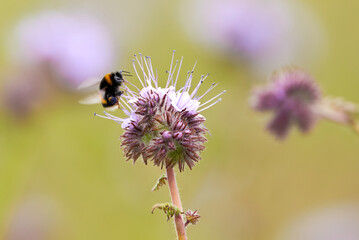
(109, 89)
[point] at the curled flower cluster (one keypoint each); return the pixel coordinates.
(192, 217)
(160, 182)
(292, 95)
(163, 124)
(168, 208)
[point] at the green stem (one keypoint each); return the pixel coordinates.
(176, 200)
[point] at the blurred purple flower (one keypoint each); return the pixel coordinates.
(36, 218)
(327, 223)
(291, 95)
(249, 27)
(266, 34)
(22, 93)
(72, 47)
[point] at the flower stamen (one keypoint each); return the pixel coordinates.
(220, 99)
(179, 68)
(134, 66)
(209, 89)
(210, 100)
(169, 72)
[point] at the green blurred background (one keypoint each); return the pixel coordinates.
(247, 186)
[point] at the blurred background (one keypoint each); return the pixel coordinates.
(63, 174)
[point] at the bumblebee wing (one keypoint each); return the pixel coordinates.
(89, 83)
(91, 99)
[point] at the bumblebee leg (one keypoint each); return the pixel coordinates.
(119, 93)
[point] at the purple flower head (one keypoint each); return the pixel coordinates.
(291, 95)
(164, 125)
(73, 47)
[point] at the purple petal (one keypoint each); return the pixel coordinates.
(280, 124)
(303, 117)
(264, 100)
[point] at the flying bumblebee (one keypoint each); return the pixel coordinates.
(109, 89)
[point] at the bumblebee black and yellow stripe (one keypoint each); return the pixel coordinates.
(103, 101)
(108, 78)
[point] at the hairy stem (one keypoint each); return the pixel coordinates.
(176, 200)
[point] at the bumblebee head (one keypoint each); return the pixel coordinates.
(112, 100)
(117, 77)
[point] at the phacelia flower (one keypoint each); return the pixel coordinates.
(164, 125)
(292, 96)
(71, 48)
